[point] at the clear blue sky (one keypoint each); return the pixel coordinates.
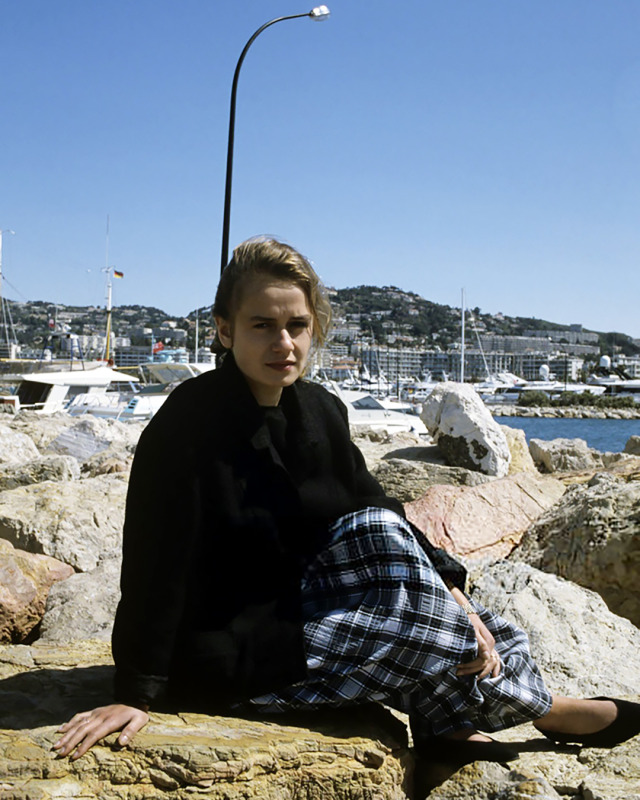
(427, 144)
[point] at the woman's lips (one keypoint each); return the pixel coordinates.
(281, 366)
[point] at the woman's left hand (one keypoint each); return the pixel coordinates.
(88, 727)
(487, 662)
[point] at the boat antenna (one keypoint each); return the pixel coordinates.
(2, 300)
(462, 337)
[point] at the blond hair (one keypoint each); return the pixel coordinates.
(262, 255)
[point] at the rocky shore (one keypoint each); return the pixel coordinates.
(568, 412)
(549, 534)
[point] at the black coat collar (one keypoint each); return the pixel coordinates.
(246, 418)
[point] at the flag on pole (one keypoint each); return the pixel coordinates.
(117, 274)
(157, 347)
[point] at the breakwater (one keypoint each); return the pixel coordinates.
(564, 412)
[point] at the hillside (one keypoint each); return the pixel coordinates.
(382, 314)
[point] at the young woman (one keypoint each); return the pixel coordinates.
(264, 568)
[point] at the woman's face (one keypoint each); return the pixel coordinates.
(270, 336)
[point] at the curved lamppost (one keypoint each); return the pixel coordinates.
(317, 13)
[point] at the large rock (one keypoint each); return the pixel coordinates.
(40, 428)
(15, 447)
(564, 455)
(465, 431)
(582, 649)
(339, 756)
(633, 446)
(521, 460)
(44, 468)
(25, 580)
(408, 480)
(592, 537)
(486, 520)
(91, 435)
(375, 444)
(489, 781)
(79, 522)
(83, 606)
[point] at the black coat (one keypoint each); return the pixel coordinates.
(217, 533)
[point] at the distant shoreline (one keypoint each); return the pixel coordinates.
(565, 412)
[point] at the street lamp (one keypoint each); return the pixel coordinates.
(317, 13)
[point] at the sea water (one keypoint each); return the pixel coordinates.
(606, 435)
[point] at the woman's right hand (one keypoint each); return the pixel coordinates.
(85, 729)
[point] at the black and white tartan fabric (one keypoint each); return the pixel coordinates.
(380, 625)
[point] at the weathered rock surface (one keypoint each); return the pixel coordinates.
(15, 447)
(107, 463)
(78, 522)
(377, 444)
(407, 479)
(581, 647)
(25, 580)
(487, 781)
(40, 428)
(43, 468)
(521, 460)
(84, 605)
(487, 520)
(592, 538)
(340, 756)
(465, 431)
(633, 446)
(564, 455)
(90, 436)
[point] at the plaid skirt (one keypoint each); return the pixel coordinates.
(380, 625)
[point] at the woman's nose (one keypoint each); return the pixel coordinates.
(283, 341)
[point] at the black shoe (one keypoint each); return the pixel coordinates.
(625, 726)
(460, 752)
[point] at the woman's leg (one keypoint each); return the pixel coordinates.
(569, 715)
(382, 626)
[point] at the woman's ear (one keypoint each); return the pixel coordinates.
(224, 329)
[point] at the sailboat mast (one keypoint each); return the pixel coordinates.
(462, 338)
(197, 332)
(2, 302)
(108, 270)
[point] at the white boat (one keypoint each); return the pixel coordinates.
(613, 381)
(137, 404)
(365, 410)
(48, 392)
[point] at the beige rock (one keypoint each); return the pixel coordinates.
(592, 538)
(487, 781)
(633, 446)
(582, 648)
(77, 522)
(107, 463)
(83, 606)
(378, 444)
(16, 448)
(25, 580)
(487, 520)
(338, 756)
(40, 428)
(521, 460)
(564, 455)
(44, 468)
(408, 480)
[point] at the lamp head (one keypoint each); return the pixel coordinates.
(319, 12)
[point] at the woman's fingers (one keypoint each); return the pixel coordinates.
(483, 665)
(87, 728)
(131, 729)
